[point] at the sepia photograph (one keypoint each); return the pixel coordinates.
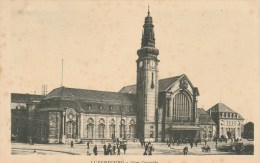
(163, 81)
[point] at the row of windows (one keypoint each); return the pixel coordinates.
(228, 115)
(101, 107)
(112, 121)
(231, 123)
(112, 131)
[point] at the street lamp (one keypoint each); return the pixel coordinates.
(121, 122)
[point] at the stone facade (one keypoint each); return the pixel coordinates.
(147, 82)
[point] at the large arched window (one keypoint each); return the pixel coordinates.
(182, 108)
(90, 128)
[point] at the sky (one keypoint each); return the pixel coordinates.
(216, 44)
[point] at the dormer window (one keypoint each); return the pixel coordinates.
(100, 107)
(89, 106)
(110, 107)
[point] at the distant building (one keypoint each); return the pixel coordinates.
(229, 123)
(22, 114)
(249, 130)
(208, 125)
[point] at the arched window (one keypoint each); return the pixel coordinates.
(112, 129)
(90, 128)
(122, 129)
(101, 130)
(132, 129)
(70, 129)
(151, 132)
(182, 108)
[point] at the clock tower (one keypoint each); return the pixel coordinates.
(147, 82)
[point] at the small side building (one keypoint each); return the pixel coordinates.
(208, 125)
(229, 123)
(249, 130)
(22, 114)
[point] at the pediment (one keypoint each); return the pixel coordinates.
(182, 83)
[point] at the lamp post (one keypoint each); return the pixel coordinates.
(121, 123)
(114, 129)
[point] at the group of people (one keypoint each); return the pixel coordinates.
(115, 149)
(148, 148)
(109, 149)
(191, 141)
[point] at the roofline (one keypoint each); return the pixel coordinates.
(181, 76)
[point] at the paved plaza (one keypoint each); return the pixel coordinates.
(132, 149)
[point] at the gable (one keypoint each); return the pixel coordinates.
(168, 84)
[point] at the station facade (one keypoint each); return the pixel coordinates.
(151, 109)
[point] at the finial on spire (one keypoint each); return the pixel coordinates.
(148, 10)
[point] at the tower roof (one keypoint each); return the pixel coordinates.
(148, 33)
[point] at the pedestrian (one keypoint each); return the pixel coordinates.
(87, 145)
(150, 150)
(109, 151)
(124, 148)
(191, 144)
(216, 142)
(118, 150)
(95, 150)
(205, 141)
(71, 143)
(114, 149)
(185, 150)
(105, 149)
(196, 142)
(146, 147)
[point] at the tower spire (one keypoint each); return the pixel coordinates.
(148, 39)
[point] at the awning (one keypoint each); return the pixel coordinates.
(175, 128)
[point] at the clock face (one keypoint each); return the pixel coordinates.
(141, 64)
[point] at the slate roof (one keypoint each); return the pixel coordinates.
(204, 117)
(220, 107)
(163, 85)
(89, 101)
(25, 98)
